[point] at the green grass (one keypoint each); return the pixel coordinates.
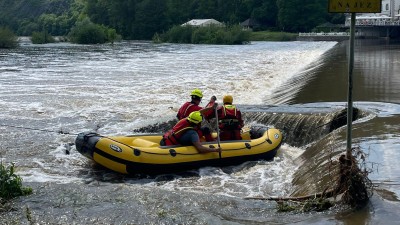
(272, 36)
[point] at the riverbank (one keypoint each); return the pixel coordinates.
(254, 36)
(272, 36)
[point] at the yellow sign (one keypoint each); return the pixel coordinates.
(355, 6)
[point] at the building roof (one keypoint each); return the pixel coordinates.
(250, 23)
(202, 22)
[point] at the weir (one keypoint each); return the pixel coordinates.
(300, 124)
(313, 128)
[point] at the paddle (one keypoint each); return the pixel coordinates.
(216, 119)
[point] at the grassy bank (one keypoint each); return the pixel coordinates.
(272, 36)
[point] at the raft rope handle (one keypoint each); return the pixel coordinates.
(69, 144)
(68, 133)
(166, 153)
(177, 153)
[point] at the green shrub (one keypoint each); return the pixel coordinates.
(112, 35)
(204, 35)
(178, 34)
(86, 32)
(42, 38)
(199, 36)
(11, 184)
(272, 36)
(7, 38)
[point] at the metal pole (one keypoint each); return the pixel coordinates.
(350, 91)
(218, 140)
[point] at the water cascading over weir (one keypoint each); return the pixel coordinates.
(300, 125)
(314, 128)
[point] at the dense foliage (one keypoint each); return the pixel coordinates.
(7, 38)
(86, 32)
(205, 35)
(54, 16)
(11, 184)
(272, 36)
(141, 19)
(42, 38)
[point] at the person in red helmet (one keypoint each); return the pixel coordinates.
(189, 107)
(187, 132)
(230, 120)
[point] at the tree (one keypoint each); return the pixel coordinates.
(231, 12)
(206, 9)
(178, 11)
(86, 32)
(266, 13)
(141, 19)
(99, 11)
(122, 16)
(149, 19)
(301, 16)
(117, 14)
(42, 38)
(7, 38)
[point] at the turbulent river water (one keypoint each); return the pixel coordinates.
(49, 93)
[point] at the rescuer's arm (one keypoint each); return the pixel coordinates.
(203, 149)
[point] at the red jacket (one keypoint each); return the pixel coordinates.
(186, 109)
(172, 136)
(190, 107)
(230, 117)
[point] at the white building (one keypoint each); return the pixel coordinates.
(389, 15)
(202, 23)
(383, 24)
(390, 8)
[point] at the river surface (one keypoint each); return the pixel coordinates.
(49, 93)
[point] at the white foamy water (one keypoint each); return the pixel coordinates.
(130, 85)
(263, 178)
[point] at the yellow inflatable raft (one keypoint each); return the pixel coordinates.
(142, 154)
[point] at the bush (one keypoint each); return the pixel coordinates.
(11, 184)
(177, 34)
(7, 38)
(112, 35)
(204, 35)
(272, 36)
(86, 32)
(42, 38)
